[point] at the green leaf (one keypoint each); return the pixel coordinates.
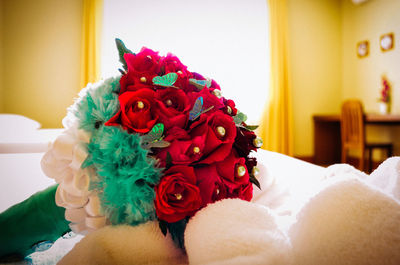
(163, 226)
(250, 127)
(255, 181)
(168, 160)
(199, 84)
(239, 118)
(165, 80)
(121, 51)
(155, 134)
(177, 231)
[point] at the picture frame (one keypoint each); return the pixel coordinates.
(363, 49)
(386, 42)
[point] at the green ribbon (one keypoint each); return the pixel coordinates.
(34, 220)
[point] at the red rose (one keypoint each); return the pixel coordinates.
(171, 64)
(244, 142)
(177, 195)
(208, 99)
(251, 162)
(210, 184)
(230, 107)
(244, 192)
(183, 152)
(137, 111)
(233, 171)
(218, 132)
(142, 68)
(173, 107)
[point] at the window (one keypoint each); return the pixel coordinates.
(226, 40)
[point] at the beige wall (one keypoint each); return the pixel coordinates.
(315, 52)
(326, 70)
(362, 77)
(1, 56)
(41, 48)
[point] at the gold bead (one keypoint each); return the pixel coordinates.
(179, 72)
(241, 171)
(140, 105)
(258, 142)
(168, 102)
(217, 93)
(196, 150)
(221, 131)
(143, 79)
(229, 110)
(178, 196)
(255, 171)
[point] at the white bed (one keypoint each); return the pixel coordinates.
(287, 183)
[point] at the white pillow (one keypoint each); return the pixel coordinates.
(14, 123)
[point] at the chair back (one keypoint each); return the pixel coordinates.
(352, 124)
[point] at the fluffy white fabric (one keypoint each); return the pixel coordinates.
(387, 177)
(348, 223)
(233, 231)
(340, 169)
(143, 244)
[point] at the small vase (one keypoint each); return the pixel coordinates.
(383, 108)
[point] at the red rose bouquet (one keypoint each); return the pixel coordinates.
(158, 142)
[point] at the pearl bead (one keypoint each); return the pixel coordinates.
(258, 142)
(196, 150)
(179, 72)
(217, 191)
(217, 93)
(168, 102)
(241, 171)
(221, 131)
(140, 105)
(229, 110)
(143, 79)
(255, 171)
(178, 196)
(148, 56)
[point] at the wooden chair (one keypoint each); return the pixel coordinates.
(353, 134)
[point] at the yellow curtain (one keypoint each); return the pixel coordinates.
(90, 46)
(276, 128)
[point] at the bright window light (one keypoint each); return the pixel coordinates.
(226, 40)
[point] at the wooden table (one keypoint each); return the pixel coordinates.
(327, 141)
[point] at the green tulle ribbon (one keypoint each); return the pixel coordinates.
(35, 220)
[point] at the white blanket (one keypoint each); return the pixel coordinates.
(303, 215)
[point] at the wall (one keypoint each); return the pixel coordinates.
(315, 52)
(362, 76)
(325, 68)
(41, 49)
(1, 56)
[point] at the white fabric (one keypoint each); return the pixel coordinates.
(20, 177)
(290, 188)
(234, 231)
(348, 223)
(23, 135)
(386, 177)
(143, 244)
